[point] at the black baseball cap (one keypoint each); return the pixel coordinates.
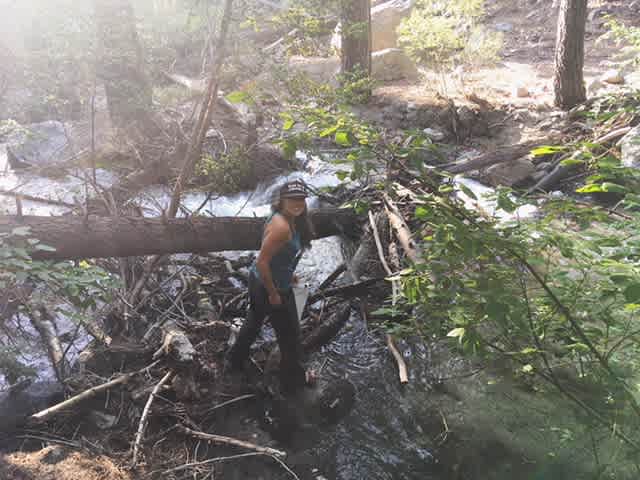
(294, 189)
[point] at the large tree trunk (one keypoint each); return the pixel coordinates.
(356, 36)
(79, 237)
(121, 65)
(568, 81)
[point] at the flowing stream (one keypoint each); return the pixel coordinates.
(392, 431)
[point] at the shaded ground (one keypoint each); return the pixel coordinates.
(59, 463)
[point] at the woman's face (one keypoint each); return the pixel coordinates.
(293, 207)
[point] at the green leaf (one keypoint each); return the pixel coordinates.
(592, 188)
(620, 279)
(328, 131)
(288, 124)
(342, 175)
(632, 293)
(421, 213)
(342, 139)
(238, 97)
(571, 162)
(613, 188)
(546, 150)
(467, 191)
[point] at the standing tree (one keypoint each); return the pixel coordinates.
(568, 79)
(356, 36)
(120, 64)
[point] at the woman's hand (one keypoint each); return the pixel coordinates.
(275, 299)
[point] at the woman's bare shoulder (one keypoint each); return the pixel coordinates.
(278, 226)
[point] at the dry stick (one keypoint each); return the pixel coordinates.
(402, 366)
(87, 394)
(232, 441)
(401, 229)
(145, 414)
(613, 135)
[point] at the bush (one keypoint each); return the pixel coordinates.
(442, 34)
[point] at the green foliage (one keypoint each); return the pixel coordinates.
(442, 34)
(623, 34)
(556, 298)
(310, 31)
(72, 289)
(227, 174)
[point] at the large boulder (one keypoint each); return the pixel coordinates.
(318, 69)
(392, 64)
(37, 145)
(385, 20)
(386, 65)
(630, 146)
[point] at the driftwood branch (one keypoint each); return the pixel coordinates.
(145, 415)
(87, 394)
(402, 366)
(401, 230)
(218, 439)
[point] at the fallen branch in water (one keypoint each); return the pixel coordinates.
(402, 366)
(145, 415)
(232, 441)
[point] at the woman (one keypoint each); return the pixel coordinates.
(287, 232)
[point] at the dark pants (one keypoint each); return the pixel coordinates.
(284, 320)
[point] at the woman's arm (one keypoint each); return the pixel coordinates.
(276, 235)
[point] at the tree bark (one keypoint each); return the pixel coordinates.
(76, 237)
(568, 80)
(356, 36)
(121, 64)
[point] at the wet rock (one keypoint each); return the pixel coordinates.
(318, 69)
(16, 405)
(510, 174)
(37, 145)
(103, 421)
(471, 123)
(630, 145)
(385, 20)
(392, 64)
(613, 76)
(435, 135)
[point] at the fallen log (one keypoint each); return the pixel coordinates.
(503, 155)
(75, 237)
